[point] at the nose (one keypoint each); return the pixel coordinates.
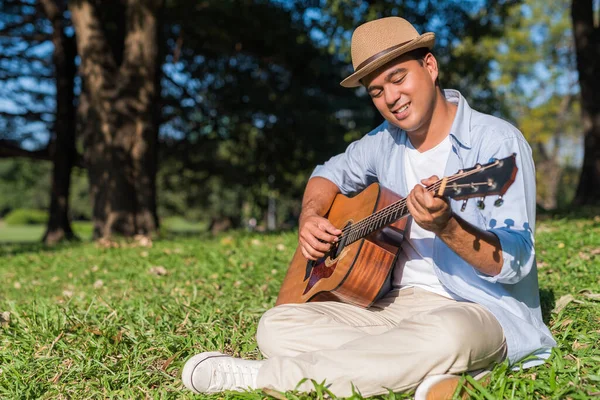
(392, 95)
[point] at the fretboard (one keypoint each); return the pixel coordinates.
(376, 221)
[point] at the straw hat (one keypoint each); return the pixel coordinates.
(377, 42)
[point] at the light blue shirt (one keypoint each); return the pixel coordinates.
(512, 295)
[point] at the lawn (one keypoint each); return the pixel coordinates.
(83, 229)
(91, 321)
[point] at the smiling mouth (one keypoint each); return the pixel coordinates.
(402, 109)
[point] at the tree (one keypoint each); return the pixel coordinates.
(37, 23)
(63, 150)
(118, 44)
(250, 100)
(587, 49)
(460, 26)
(266, 105)
(534, 72)
(249, 115)
(26, 81)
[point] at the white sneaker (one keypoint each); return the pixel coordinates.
(216, 372)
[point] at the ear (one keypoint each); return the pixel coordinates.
(430, 63)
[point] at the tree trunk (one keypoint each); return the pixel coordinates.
(548, 167)
(122, 104)
(587, 48)
(63, 150)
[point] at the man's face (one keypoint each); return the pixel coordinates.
(403, 91)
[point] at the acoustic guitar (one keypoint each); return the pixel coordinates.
(358, 268)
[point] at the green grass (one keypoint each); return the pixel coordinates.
(83, 229)
(96, 322)
(34, 233)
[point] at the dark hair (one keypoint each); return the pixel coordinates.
(419, 54)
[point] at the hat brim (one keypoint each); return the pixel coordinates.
(425, 40)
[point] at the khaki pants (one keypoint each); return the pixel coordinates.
(401, 339)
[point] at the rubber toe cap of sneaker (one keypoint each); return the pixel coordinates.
(195, 378)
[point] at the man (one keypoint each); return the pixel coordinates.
(466, 291)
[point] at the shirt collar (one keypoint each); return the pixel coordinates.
(461, 126)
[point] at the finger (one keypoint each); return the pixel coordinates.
(427, 199)
(439, 204)
(320, 234)
(310, 251)
(315, 254)
(418, 195)
(417, 210)
(430, 181)
(306, 254)
(313, 242)
(327, 226)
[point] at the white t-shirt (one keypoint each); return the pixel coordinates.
(417, 247)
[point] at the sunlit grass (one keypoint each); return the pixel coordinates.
(34, 233)
(97, 322)
(83, 229)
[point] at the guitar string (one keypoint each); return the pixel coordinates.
(384, 213)
(401, 202)
(393, 208)
(400, 205)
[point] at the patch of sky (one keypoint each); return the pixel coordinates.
(8, 106)
(44, 49)
(168, 131)
(36, 136)
(259, 122)
(570, 150)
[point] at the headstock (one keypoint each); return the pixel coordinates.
(493, 178)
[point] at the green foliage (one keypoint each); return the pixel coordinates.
(460, 27)
(26, 216)
(88, 321)
(24, 184)
(535, 74)
(259, 111)
(249, 116)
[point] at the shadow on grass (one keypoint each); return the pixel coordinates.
(582, 212)
(192, 233)
(15, 248)
(547, 304)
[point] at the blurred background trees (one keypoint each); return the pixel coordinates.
(217, 111)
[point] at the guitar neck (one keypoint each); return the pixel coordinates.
(384, 217)
(478, 181)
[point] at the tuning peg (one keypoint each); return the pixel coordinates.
(480, 203)
(499, 201)
(464, 205)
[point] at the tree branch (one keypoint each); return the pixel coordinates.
(8, 149)
(27, 19)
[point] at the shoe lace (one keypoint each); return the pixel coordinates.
(232, 375)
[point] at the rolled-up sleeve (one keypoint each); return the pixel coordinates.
(354, 169)
(514, 222)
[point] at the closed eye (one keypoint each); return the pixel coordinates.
(399, 80)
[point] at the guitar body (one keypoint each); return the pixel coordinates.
(358, 268)
(361, 273)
